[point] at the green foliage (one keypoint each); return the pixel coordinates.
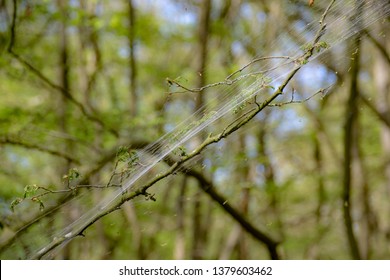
(72, 175)
(321, 46)
(180, 151)
(123, 154)
(269, 170)
(15, 202)
(133, 159)
(318, 47)
(30, 193)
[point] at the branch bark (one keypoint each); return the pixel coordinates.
(208, 188)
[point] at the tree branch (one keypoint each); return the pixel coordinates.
(383, 116)
(50, 211)
(208, 188)
(380, 47)
(8, 141)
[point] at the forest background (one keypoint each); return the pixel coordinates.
(85, 84)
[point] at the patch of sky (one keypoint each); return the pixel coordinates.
(99, 9)
(177, 110)
(364, 76)
(220, 145)
(307, 16)
(74, 3)
(17, 159)
(251, 146)
(237, 48)
(175, 12)
(221, 175)
(246, 10)
(169, 127)
(303, 29)
(259, 177)
(207, 163)
(123, 52)
(315, 76)
(261, 17)
(288, 121)
(3, 21)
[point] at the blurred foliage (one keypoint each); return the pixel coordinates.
(270, 165)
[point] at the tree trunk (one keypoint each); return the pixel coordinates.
(199, 228)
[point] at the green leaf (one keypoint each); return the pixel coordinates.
(15, 202)
(30, 190)
(74, 174)
(134, 158)
(123, 154)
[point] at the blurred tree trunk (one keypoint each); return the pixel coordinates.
(271, 186)
(90, 52)
(321, 195)
(64, 71)
(314, 249)
(246, 184)
(320, 137)
(275, 11)
(130, 214)
(349, 133)
(130, 211)
(361, 181)
(200, 228)
(381, 70)
(132, 61)
(180, 248)
(350, 141)
(235, 246)
(63, 106)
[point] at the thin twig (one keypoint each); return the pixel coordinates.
(322, 91)
(228, 80)
(254, 61)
